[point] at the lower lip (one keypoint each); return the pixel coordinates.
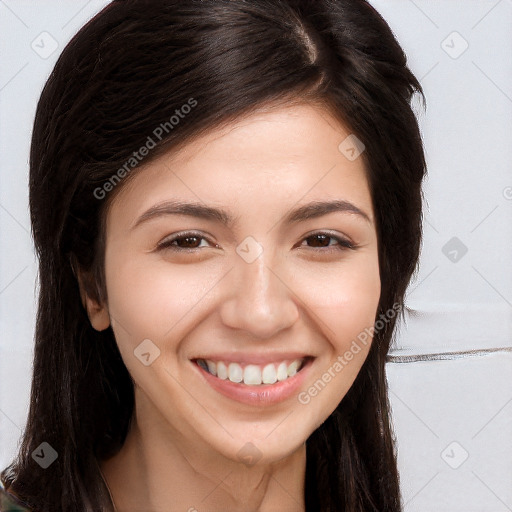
(264, 394)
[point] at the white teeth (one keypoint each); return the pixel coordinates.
(292, 369)
(268, 375)
(235, 373)
(252, 374)
(281, 372)
(222, 371)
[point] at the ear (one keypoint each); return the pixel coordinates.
(96, 311)
(98, 314)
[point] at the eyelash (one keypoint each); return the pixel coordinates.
(343, 244)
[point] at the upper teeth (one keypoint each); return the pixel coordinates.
(252, 374)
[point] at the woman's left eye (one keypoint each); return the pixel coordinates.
(322, 240)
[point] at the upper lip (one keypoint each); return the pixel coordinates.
(254, 358)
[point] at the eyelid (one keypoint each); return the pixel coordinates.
(341, 246)
(343, 240)
(163, 244)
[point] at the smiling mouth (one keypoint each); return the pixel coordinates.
(253, 374)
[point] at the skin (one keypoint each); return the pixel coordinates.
(181, 453)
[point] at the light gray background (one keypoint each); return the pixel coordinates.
(450, 372)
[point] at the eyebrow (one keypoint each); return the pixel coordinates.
(302, 213)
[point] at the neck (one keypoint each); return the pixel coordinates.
(157, 470)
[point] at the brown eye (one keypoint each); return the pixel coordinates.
(183, 242)
(189, 242)
(324, 240)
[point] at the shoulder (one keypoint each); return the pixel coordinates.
(9, 502)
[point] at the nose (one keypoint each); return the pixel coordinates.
(260, 302)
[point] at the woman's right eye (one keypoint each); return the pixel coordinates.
(182, 242)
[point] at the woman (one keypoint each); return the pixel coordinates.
(226, 203)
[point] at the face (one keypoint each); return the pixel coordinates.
(267, 289)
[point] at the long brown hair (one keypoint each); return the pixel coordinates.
(124, 74)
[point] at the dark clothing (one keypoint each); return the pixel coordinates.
(9, 503)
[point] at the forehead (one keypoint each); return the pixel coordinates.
(279, 156)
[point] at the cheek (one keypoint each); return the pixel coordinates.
(344, 304)
(149, 298)
(344, 299)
